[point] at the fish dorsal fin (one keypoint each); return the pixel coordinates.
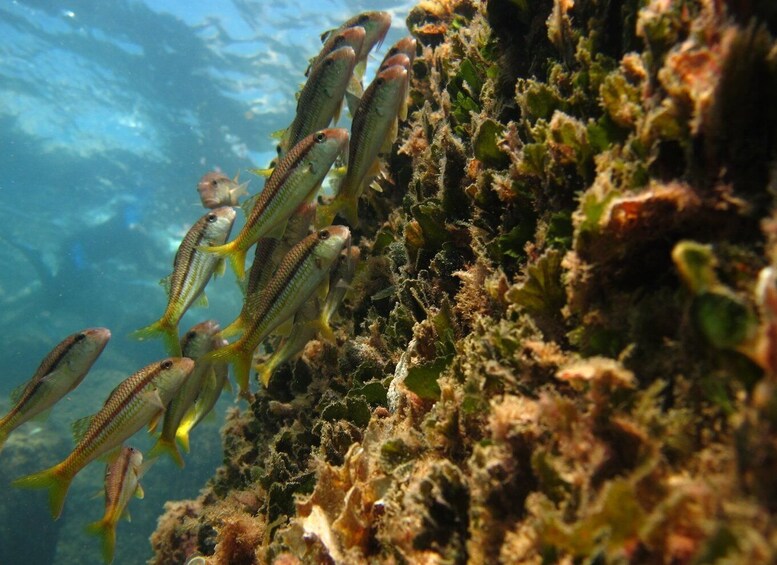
(201, 302)
(165, 283)
(80, 427)
(248, 205)
(17, 393)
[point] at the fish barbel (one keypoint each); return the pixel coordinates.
(295, 180)
(300, 273)
(133, 404)
(192, 269)
(122, 482)
(195, 344)
(321, 97)
(371, 133)
(61, 371)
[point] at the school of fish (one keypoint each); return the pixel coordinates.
(302, 268)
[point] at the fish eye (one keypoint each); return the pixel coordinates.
(320, 137)
(391, 52)
(328, 62)
(191, 335)
(166, 364)
(363, 19)
(211, 218)
(323, 234)
(379, 81)
(81, 337)
(214, 182)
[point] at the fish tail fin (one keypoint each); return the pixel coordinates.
(186, 425)
(265, 371)
(167, 332)
(238, 261)
(107, 532)
(241, 362)
(325, 331)
(232, 329)
(53, 479)
(164, 445)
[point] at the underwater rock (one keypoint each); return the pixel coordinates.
(560, 344)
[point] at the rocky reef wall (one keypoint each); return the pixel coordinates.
(561, 342)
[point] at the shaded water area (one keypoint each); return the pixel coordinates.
(109, 115)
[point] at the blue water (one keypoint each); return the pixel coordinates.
(110, 111)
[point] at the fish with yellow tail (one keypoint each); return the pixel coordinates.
(372, 132)
(321, 97)
(61, 371)
(216, 190)
(122, 482)
(194, 344)
(313, 316)
(301, 272)
(216, 381)
(295, 180)
(135, 402)
(268, 255)
(192, 269)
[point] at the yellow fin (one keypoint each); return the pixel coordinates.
(285, 328)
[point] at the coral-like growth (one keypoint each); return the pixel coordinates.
(561, 343)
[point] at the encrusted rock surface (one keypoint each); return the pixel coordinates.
(561, 343)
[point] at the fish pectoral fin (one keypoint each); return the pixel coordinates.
(284, 330)
(353, 102)
(153, 398)
(139, 492)
(42, 417)
(79, 428)
(154, 423)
